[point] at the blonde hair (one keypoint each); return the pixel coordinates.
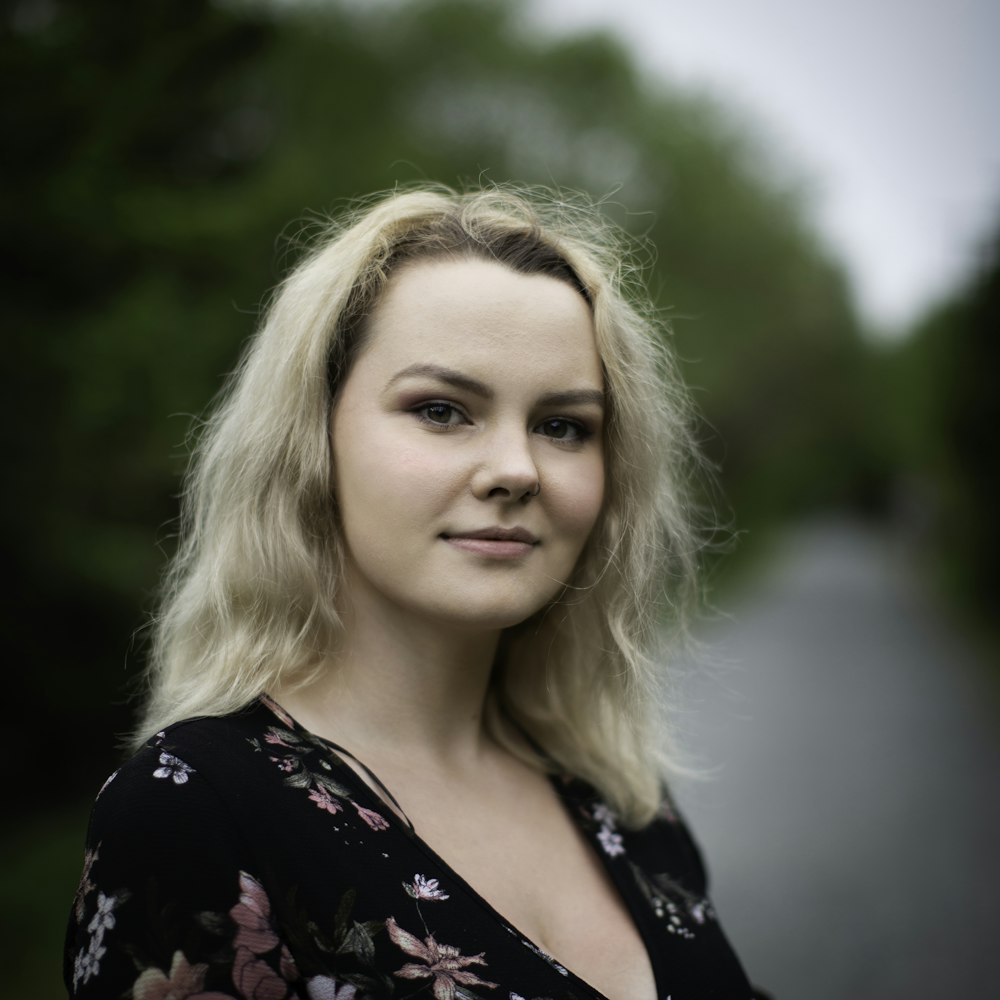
(250, 599)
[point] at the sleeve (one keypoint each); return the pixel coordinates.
(693, 871)
(167, 904)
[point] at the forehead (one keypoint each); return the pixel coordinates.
(475, 314)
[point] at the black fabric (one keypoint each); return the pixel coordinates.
(242, 857)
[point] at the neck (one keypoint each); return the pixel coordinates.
(402, 692)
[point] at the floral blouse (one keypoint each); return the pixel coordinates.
(241, 858)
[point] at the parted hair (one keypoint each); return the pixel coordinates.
(250, 600)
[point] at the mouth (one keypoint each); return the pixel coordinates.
(496, 543)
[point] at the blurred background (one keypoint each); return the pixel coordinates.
(819, 195)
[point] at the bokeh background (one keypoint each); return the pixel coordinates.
(163, 161)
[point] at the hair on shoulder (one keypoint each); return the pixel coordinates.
(250, 599)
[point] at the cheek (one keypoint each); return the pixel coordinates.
(426, 474)
(380, 471)
(580, 500)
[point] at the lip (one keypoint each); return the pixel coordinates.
(496, 542)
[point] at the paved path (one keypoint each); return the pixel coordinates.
(853, 830)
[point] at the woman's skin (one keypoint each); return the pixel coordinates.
(477, 387)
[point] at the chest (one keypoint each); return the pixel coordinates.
(529, 862)
(504, 894)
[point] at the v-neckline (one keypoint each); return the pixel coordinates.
(404, 825)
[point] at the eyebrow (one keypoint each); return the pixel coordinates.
(447, 375)
(568, 397)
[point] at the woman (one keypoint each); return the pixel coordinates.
(397, 740)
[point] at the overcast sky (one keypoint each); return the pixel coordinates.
(891, 106)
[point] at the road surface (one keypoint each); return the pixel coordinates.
(852, 830)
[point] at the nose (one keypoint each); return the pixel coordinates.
(507, 469)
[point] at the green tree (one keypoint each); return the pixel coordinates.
(153, 153)
(164, 146)
(944, 412)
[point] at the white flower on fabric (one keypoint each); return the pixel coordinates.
(87, 964)
(173, 767)
(84, 968)
(80, 968)
(104, 919)
(610, 841)
(605, 815)
(326, 988)
(425, 888)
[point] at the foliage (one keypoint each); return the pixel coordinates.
(156, 149)
(942, 435)
(166, 143)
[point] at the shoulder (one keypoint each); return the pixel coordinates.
(669, 830)
(664, 844)
(166, 863)
(178, 786)
(189, 762)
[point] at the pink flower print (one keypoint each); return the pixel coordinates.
(255, 979)
(278, 710)
(324, 800)
(286, 764)
(173, 767)
(252, 915)
(610, 841)
(86, 886)
(443, 963)
(325, 988)
(286, 965)
(184, 981)
(424, 888)
(275, 738)
(375, 820)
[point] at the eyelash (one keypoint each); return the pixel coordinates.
(581, 431)
(421, 413)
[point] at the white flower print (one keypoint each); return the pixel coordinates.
(88, 962)
(682, 912)
(425, 888)
(605, 815)
(325, 988)
(104, 919)
(610, 841)
(173, 767)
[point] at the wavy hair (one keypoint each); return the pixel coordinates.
(249, 600)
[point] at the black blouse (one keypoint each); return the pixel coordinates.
(241, 857)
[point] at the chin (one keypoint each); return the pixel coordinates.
(494, 617)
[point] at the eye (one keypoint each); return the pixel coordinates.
(563, 429)
(440, 414)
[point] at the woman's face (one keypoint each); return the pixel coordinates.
(477, 388)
